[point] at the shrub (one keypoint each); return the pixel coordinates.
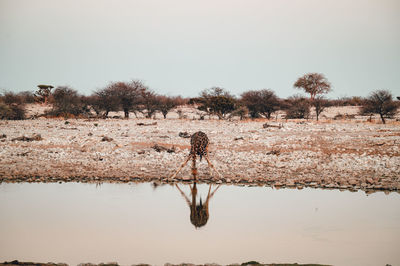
(12, 111)
(66, 102)
(297, 107)
(216, 101)
(262, 102)
(166, 104)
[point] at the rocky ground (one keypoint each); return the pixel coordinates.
(335, 154)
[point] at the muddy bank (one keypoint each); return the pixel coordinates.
(350, 155)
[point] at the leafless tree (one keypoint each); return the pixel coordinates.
(380, 102)
(149, 102)
(166, 104)
(319, 103)
(105, 100)
(261, 102)
(66, 101)
(128, 94)
(314, 84)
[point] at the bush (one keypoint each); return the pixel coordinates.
(149, 103)
(12, 106)
(166, 104)
(262, 102)
(66, 102)
(297, 107)
(216, 101)
(12, 111)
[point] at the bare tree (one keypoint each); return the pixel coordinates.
(166, 104)
(149, 102)
(261, 102)
(380, 102)
(105, 100)
(319, 103)
(314, 84)
(43, 93)
(66, 101)
(128, 94)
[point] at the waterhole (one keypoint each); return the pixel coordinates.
(145, 223)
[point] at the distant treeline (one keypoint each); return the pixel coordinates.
(135, 97)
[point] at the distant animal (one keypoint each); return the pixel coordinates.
(198, 147)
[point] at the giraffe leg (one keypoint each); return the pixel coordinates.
(179, 169)
(212, 166)
(194, 168)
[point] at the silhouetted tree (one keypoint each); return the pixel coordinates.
(261, 102)
(43, 93)
(380, 102)
(314, 84)
(216, 101)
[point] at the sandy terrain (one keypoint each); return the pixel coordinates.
(343, 154)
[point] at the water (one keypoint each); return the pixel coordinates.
(134, 223)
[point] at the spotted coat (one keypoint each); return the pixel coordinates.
(199, 145)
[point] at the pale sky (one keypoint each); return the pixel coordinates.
(179, 47)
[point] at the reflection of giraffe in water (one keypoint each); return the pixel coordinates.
(198, 212)
(198, 146)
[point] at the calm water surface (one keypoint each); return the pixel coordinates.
(133, 223)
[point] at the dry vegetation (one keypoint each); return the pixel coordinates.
(345, 154)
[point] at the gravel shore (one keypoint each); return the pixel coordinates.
(347, 154)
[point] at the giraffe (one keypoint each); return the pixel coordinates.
(198, 146)
(198, 212)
